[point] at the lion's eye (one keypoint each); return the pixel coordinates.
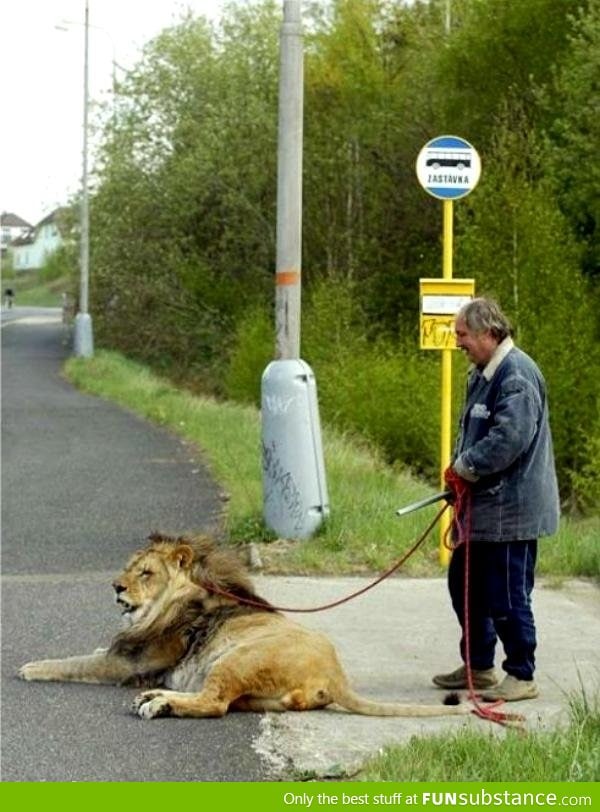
(146, 573)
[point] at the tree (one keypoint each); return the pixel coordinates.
(185, 227)
(574, 139)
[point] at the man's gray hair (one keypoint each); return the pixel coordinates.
(481, 315)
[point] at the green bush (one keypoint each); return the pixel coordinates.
(389, 395)
(57, 264)
(586, 481)
(253, 349)
(386, 392)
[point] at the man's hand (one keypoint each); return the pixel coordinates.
(458, 485)
(464, 470)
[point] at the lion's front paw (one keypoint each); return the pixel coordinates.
(152, 705)
(34, 671)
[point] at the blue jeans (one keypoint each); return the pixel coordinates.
(501, 576)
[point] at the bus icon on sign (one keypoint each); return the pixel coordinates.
(460, 160)
(448, 167)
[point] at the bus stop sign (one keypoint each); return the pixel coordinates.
(448, 167)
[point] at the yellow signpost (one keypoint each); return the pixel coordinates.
(440, 300)
(448, 168)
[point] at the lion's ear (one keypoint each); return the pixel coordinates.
(183, 555)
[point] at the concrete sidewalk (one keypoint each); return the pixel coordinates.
(393, 639)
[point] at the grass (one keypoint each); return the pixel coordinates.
(568, 753)
(574, 551)
(31, 292)
(362, 534)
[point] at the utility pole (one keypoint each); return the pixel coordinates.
(84, 342)
(294, 487)
(289, 184)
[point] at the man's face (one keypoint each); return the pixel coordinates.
(478, 347)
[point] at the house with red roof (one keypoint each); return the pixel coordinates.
(11, 228)
(31, 249)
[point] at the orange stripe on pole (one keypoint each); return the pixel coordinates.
(287, 278)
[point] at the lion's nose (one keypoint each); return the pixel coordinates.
(118, 587)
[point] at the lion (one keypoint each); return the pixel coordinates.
(201, 653)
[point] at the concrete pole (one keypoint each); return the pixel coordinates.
(289, 184)
(294, 485)
(84, 344)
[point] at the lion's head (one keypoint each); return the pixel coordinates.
(176, 574)
(159, 574)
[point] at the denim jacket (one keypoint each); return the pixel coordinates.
(505, 448)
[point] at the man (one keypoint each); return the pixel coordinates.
(504, 451)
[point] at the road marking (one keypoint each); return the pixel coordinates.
(58, 577)
(33, 320)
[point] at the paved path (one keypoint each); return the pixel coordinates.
(84, 483)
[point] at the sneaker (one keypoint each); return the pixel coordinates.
(458, 679)
(511, 689)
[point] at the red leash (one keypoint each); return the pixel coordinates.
(249, 602)
(461, 521)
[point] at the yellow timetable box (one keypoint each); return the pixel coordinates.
(440, 301)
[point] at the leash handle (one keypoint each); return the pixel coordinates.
(423, 503)
(460, 490)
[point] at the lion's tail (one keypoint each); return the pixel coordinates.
(346, 698)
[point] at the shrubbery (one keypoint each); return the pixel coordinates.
(384, 391)
(388, 391)
(62, 262)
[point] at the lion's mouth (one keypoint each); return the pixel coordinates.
(125, 607)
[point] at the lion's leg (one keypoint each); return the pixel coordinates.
(157, 704)
(297, 700)
(213, 701)
(221, 688)
(94, 668)
(257, 704)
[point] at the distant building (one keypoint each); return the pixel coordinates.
(31, 249)
(11, 228)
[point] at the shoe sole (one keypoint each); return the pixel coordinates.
(500, 698)
(480, 682)
(457, 686)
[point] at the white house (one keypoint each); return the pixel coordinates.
(11, 228)
(30, 251)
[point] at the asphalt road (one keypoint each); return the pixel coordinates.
(83, 484)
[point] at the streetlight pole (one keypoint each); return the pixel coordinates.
(84, 341)
(289, 184)
(294, 484)
(64, 26)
